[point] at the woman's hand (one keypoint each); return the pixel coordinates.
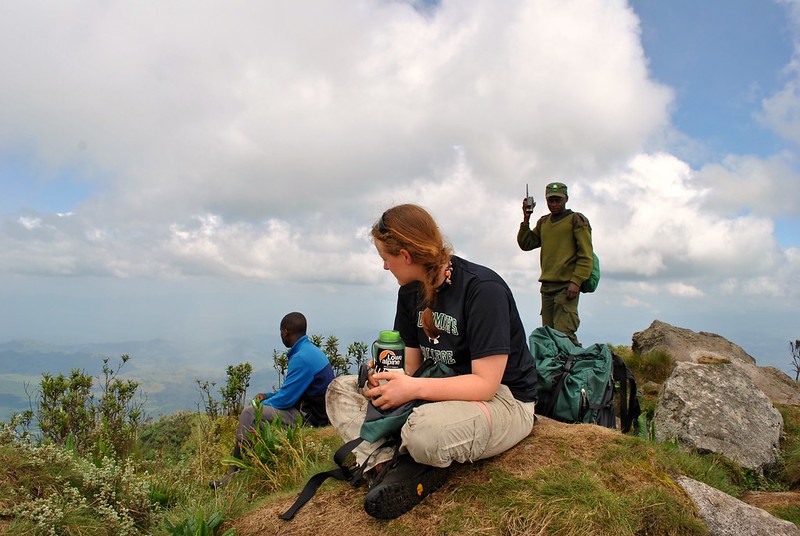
(397, 389)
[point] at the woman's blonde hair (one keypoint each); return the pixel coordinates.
(412, 228)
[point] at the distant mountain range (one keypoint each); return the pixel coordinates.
(166, 371)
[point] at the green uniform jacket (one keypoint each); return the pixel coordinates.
(566, 247)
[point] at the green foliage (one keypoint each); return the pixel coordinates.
(70, 414)
(168, 437)
(655, 366)
(59, 493)
(66, 407)
(17, 429)
(210, 404)
(788, 512)
(198, 526)
(794, 348)
(161, 487)
(340, 363)
(357, 352)
(119, 412)
(651, 370)
(280, 361)
(577, 497)
(233, 394)
(791, 445)
(276, 455)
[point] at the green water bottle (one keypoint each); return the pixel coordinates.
(389, 352)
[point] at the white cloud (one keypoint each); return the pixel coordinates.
(766, 187)
(681, 289)
(257, 142)
(781, 111)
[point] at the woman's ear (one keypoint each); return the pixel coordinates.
(407, 256)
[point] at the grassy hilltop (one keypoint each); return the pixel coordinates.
(562, 479)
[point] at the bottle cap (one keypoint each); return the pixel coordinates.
(389, 336)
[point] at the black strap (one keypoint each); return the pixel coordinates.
(565, 369)
(634, 410)
(629, 409)
(340, 473)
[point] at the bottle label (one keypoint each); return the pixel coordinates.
(391, 360)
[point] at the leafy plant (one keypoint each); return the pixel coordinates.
(119, 412)
(66, 406)
(340, 363)
(358, 353)
(275, 453)
(233, 394)
(69, 413)
(211, 405)
(199, 526)
(655, 366)
(280, 361)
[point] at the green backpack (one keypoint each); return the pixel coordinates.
(590, 285)
(578, 385)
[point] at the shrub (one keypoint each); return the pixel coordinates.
(276, 454)
(70, 415)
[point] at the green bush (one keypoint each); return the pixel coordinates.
(276, 454)
(198, 526)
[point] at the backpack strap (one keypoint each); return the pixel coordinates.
(562, 376)
(579, 220)
(629, 408)
(341, 472)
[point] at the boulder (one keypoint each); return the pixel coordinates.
(685, 345)
(727, 516)
(716, 408)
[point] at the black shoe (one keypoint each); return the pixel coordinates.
(402, 487)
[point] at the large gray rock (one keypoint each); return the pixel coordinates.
(716, 408)
(727, 516)
(685, 345)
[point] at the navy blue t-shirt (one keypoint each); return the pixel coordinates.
(477, 317)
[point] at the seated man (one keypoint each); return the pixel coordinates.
(302, 393)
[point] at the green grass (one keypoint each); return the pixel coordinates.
(611, 484)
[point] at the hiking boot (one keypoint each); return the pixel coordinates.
(401, 487)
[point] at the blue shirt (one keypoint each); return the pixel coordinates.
(308, 374)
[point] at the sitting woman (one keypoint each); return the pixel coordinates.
(459, 313)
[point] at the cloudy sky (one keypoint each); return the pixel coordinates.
(192, 170)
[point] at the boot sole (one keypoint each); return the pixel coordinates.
(389, 501)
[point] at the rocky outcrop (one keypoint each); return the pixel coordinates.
(716, 408)
(685, 345)
(727, 516)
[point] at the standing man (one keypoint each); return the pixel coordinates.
(566, 257)
(302, 394)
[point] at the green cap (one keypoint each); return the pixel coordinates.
(556, 189)
(389, 336)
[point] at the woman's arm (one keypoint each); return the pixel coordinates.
(413, 360)
(481, 384)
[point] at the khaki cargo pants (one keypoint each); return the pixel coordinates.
(558, 312)
(436, 433)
